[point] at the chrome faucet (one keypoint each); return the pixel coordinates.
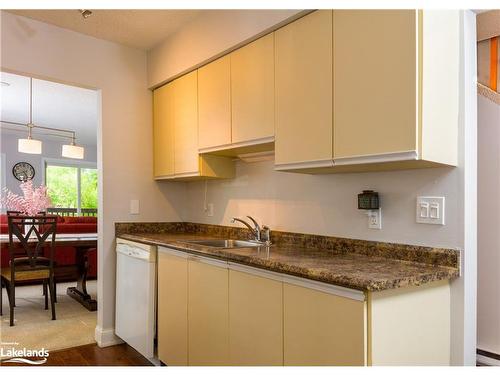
(260, 234)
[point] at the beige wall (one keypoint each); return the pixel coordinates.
(327, 204)
(210, 34)
(488, 298)
(125, 135)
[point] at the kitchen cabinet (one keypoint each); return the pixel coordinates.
(395, 97)
(163, 131)
(252, 93)
(395, 91)
(255, 318)
(176, 157)
(303, 90)
(322, 328)
(214, 104)
(208, 316)
(213, 312)
(172, 307)
(186, 159)
(385, 68)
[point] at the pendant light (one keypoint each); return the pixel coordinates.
(30, 145)
(73, 151)
(33, 146)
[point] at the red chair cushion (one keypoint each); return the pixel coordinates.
(80, 220)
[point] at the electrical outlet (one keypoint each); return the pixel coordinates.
(375, 219)
(210, 209)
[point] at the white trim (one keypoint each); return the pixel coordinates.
(377, 158)
(256, 271)
(469, 209)
(170, 251)
(176, 176)
(186, 174)
(210, 261)
(70, 163)
(164, 177)
(106, 337)
(335, 290)
(3, 165)
(254, 157)
(487, 360)
(304, 165)
(232, 146)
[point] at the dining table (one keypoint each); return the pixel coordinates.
(82, 242)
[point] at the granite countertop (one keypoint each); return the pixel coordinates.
(348, 269)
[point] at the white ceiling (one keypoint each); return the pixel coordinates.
(54, 105)
(139, 28)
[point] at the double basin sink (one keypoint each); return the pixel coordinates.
(225, 244)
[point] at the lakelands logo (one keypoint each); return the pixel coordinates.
(23, 355)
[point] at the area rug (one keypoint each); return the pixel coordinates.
(34, 329)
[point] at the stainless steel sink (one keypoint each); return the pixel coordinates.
(225, 244)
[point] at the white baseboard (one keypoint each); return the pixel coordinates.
(106, 337)
(481, 359)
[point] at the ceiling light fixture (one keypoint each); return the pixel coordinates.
(30, 145)
(33, 146)
(73, 151)
(85, 13)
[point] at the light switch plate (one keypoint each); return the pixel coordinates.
(430, 210)
(210, 209)
(134, 207)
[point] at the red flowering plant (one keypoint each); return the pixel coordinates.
(33, 200)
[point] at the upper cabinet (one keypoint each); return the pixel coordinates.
(214, 104)
(374, 82)
(333, 91)
(395, 91)
(186, 124)
(252, 92)
(303, 90)
(175, 108)
(163, 131)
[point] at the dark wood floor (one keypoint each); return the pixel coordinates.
(92, 355)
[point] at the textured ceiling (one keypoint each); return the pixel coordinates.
(135, 28)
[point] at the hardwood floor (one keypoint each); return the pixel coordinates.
(92, 355)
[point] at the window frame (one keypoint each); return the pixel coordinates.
(79, 165)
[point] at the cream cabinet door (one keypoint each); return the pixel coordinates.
(255, 320)
(163, 131)
(186, 124)
(252, 91)
(375, 82)
(214, 103)
(208, 314)
(304, 90)
(172, 309)
(322, 329)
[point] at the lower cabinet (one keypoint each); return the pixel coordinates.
(208, 316)
(212, 312)
(322, 329)
(172, 308)
(255, 320)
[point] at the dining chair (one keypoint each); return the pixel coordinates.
(30, 234)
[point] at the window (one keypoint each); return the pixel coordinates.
(72, 186)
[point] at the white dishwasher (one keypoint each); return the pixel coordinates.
(135, 319)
